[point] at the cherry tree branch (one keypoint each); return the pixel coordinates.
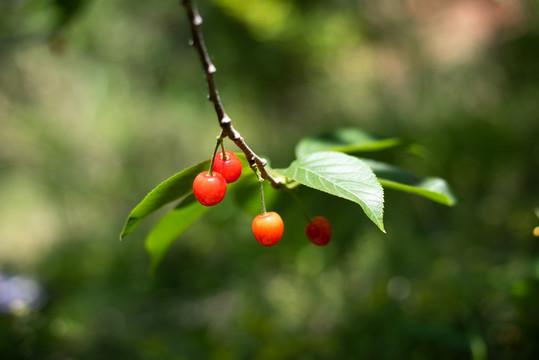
(227, 130)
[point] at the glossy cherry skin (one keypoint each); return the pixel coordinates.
(319, 231)
(268, 228)
(209, 189)
(229, 168)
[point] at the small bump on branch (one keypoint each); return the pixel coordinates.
(227, 130)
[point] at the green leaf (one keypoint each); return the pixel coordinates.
(432, 188)
(171, 226)
(347, 140)
(343, 176)
(175, 187)
(435, 189)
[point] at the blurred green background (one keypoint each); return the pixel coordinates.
(102, 100)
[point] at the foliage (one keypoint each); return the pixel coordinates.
(329, 171)
(341, 175)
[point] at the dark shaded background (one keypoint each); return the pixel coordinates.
(102, 100)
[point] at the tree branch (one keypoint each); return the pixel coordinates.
(227, 130)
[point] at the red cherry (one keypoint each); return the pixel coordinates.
(209, 189)
(230, 167)
(268, 228)
(319, 231)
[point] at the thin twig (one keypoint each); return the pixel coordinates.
(227, 130)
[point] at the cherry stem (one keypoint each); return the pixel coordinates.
(219, 142)
(225, 155)
(261, 183)
(301, 206)
(227, 130)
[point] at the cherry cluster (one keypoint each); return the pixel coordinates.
(209, 188)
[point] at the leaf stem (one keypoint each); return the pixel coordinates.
(255, 162)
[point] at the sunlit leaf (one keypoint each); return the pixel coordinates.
(347, 140)
(171, 226)
(341, 175)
